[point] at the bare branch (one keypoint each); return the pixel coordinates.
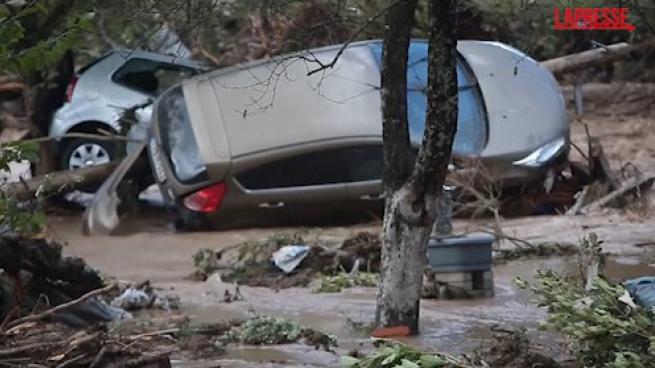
(353, 37)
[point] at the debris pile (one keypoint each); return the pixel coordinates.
(602, 187)
(53, 311)
(214, 339)
(252, 263)
(50, 344)
(37, 278)
(343, 280)
(544, 249)
(264, 330)
(512, 349)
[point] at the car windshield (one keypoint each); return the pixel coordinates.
(471, 135)
(178, 139)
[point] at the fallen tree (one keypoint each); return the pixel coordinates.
(69, 180)
(595, 57)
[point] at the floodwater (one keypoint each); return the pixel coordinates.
(147, 248)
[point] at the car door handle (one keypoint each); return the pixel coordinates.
(271, 205)
(371, 197)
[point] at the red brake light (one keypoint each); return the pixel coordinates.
(207, 199)
(70, 88)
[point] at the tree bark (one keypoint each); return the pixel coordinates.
(43, 96)
(411, 190)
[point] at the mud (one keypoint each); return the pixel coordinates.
(512, 349)
(450, 326)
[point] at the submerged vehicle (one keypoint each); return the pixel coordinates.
(269, 141)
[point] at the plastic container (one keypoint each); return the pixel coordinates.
(465, 253)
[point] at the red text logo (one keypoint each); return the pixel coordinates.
(615, 19)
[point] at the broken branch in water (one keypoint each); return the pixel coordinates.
(636, 187)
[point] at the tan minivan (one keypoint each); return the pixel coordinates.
(268, 141)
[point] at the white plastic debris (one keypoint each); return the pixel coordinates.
(289, 257)
(132, 299)
(135, 299)
(17, 171)
(626, 298)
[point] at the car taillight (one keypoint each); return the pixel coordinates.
(207, 199)
(70, 88)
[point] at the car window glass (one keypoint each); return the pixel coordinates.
(168, 77)
(342, 165)
(364, 163)
(178, 138)
(316, 168)
(471, 134)
(149, 76)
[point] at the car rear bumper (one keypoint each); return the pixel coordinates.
(63, 119)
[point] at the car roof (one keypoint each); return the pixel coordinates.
(254, 63)
(164, 58)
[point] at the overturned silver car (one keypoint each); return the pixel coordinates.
(270, 141)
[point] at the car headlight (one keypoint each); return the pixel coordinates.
(543, 154)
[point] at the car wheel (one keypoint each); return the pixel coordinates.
(83, 152)
(187, 221)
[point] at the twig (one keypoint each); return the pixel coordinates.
(141, 361)
(98, 358)
(28, 348)
(50, 312)
(577, 148)
(209, 56)
(582, 197)
(72, 360)
(154, 333)
(8, 317)
(352, 38)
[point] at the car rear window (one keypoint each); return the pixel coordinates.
(178, 138)
(150, 76)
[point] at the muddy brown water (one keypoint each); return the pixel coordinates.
(147, 248)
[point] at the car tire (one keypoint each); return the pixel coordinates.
(83, 152)
(188, 221)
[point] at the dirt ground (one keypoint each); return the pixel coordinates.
(622, 115)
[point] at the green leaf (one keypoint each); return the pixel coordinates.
(390, 359)
(431, 361)
(349, 362)
(408, 364)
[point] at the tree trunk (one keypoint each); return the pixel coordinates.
(62, 181)
(43, 96)
(411, 190)
(597, 57)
